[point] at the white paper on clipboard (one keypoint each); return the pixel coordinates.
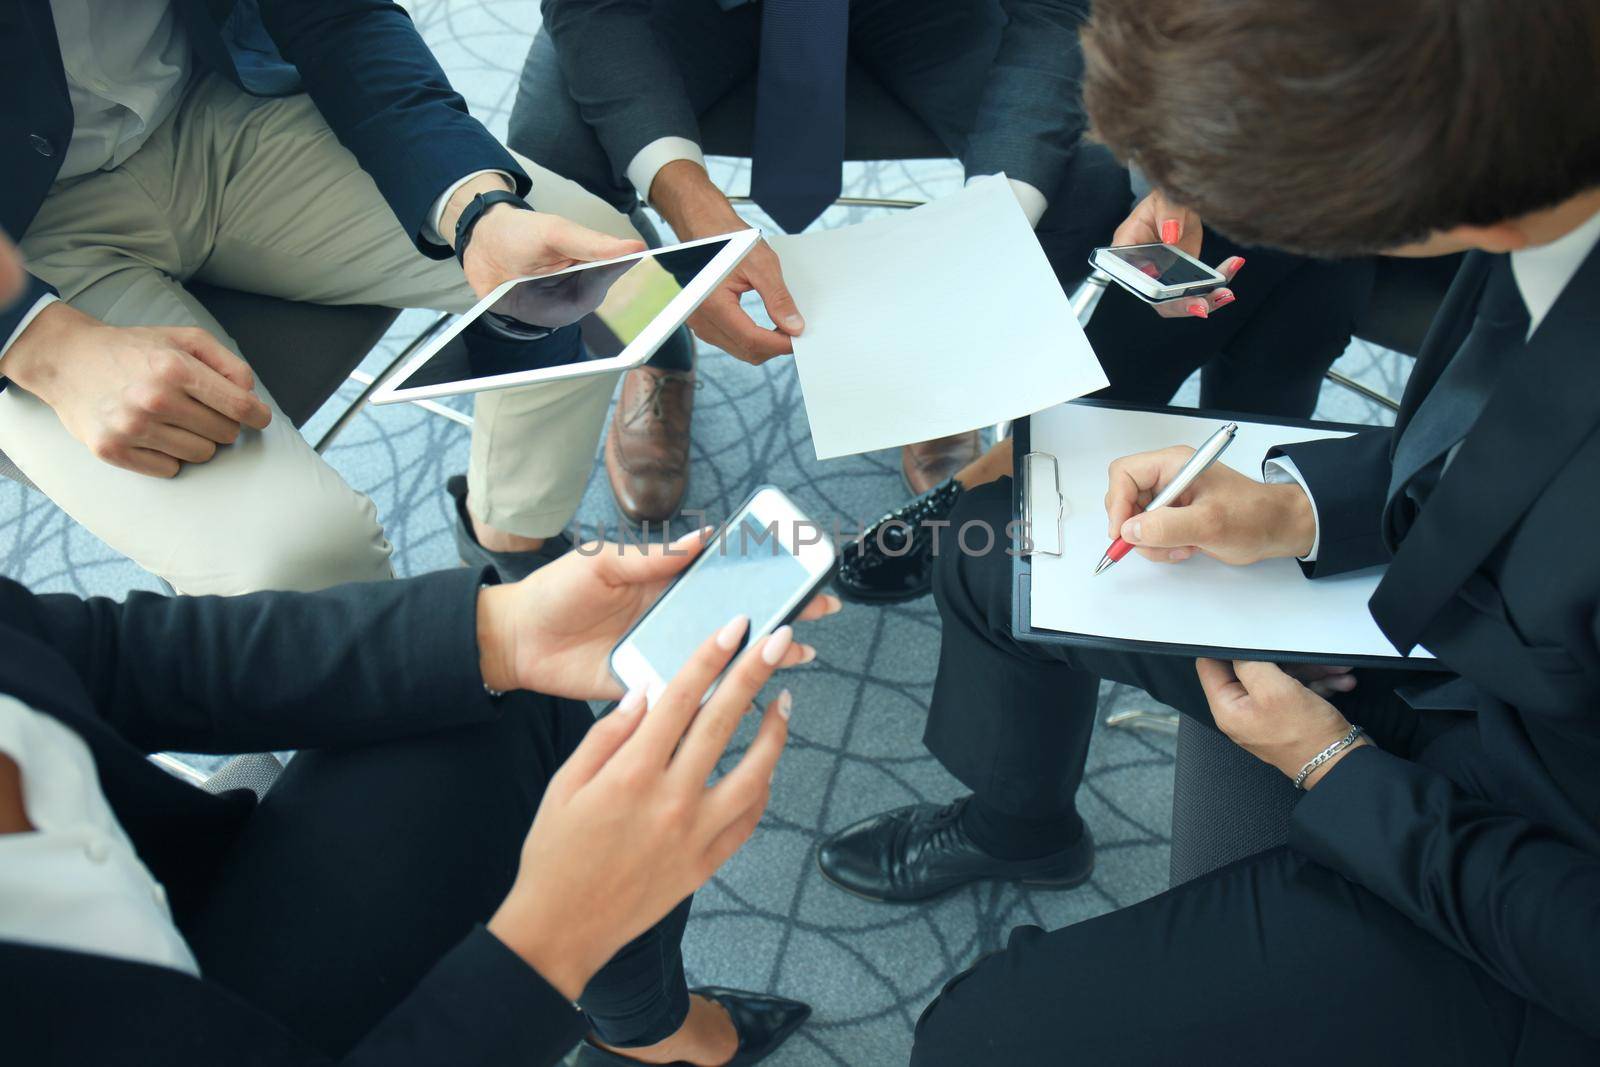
(1266, 607)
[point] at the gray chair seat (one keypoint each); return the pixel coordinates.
(1226, 804)
(301, 352)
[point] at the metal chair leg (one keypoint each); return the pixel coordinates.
(1159, 722)
(1363, 390)
(370, 386)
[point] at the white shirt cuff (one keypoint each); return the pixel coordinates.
(649, 160)
(436, 216)
(39, 305)
(1281, 470)
(1032, 200)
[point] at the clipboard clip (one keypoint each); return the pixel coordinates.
(1030, 462)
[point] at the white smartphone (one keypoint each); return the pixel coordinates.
(766, 562)
(1156, 272)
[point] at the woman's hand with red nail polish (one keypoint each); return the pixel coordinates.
(1157, 220)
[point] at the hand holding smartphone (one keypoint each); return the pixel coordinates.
(1156, 272)
(767, 562)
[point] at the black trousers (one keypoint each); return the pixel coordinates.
(363, 866)
(1267, 353)
(1271, 959)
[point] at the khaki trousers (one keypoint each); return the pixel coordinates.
(258, 195)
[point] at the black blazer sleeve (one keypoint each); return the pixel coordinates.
(383, 94)
(480, 1006)
(356, 663)
(1512, 897)
(1348, 480)
(1030, 115)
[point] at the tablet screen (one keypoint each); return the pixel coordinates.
(590, 313)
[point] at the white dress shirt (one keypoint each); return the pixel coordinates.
(75, 882)
(127, 63)
(1541, 273)
(649, 160)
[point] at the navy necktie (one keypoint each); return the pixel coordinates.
(1453, 405)
(799, 135)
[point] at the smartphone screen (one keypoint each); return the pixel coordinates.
(748, 569)
(1161, 264)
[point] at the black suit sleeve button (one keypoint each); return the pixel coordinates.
(41, 144)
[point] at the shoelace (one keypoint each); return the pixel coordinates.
(941, 827)
(654, 401)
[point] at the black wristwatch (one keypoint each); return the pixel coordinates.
(474, 211)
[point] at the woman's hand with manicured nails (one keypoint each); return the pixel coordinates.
(629, 826)
(1156, 219)
(553, 632)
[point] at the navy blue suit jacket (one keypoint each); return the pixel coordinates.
(361, 61)
(1491, 839)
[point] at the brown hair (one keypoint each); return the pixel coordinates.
(1341, 128)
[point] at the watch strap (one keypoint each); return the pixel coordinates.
(474, 211)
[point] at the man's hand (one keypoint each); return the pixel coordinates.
(1156, 219)
(694, 207)
(509, 242)
(145, 398)
(1272, 716)
(1223, 514)
(1323, 679)
(628, 826)
(553, 632)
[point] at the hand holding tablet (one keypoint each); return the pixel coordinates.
(593, 318)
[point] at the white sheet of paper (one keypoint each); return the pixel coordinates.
(1268, 606)
(931, 322)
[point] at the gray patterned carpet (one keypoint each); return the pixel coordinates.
(768, 921)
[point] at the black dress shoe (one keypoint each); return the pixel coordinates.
(762, 1023)
(892, 560)
(512, 566)
(920, 851)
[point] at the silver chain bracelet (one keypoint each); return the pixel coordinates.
(1356, 733)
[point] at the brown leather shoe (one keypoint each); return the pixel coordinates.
(647, 450)
(928, 463)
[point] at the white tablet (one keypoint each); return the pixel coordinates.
(594, 318)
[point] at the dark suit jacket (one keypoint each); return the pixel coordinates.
(1029, 118)
(362, 61)
(1491, 841)
(257, 673)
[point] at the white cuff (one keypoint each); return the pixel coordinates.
(436, 216)
(649, 160)
(1281, 470)
(1032, 200)
(39, 305)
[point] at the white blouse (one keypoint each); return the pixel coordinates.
(75, 882)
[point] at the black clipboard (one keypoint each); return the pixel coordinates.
(1022, 565)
